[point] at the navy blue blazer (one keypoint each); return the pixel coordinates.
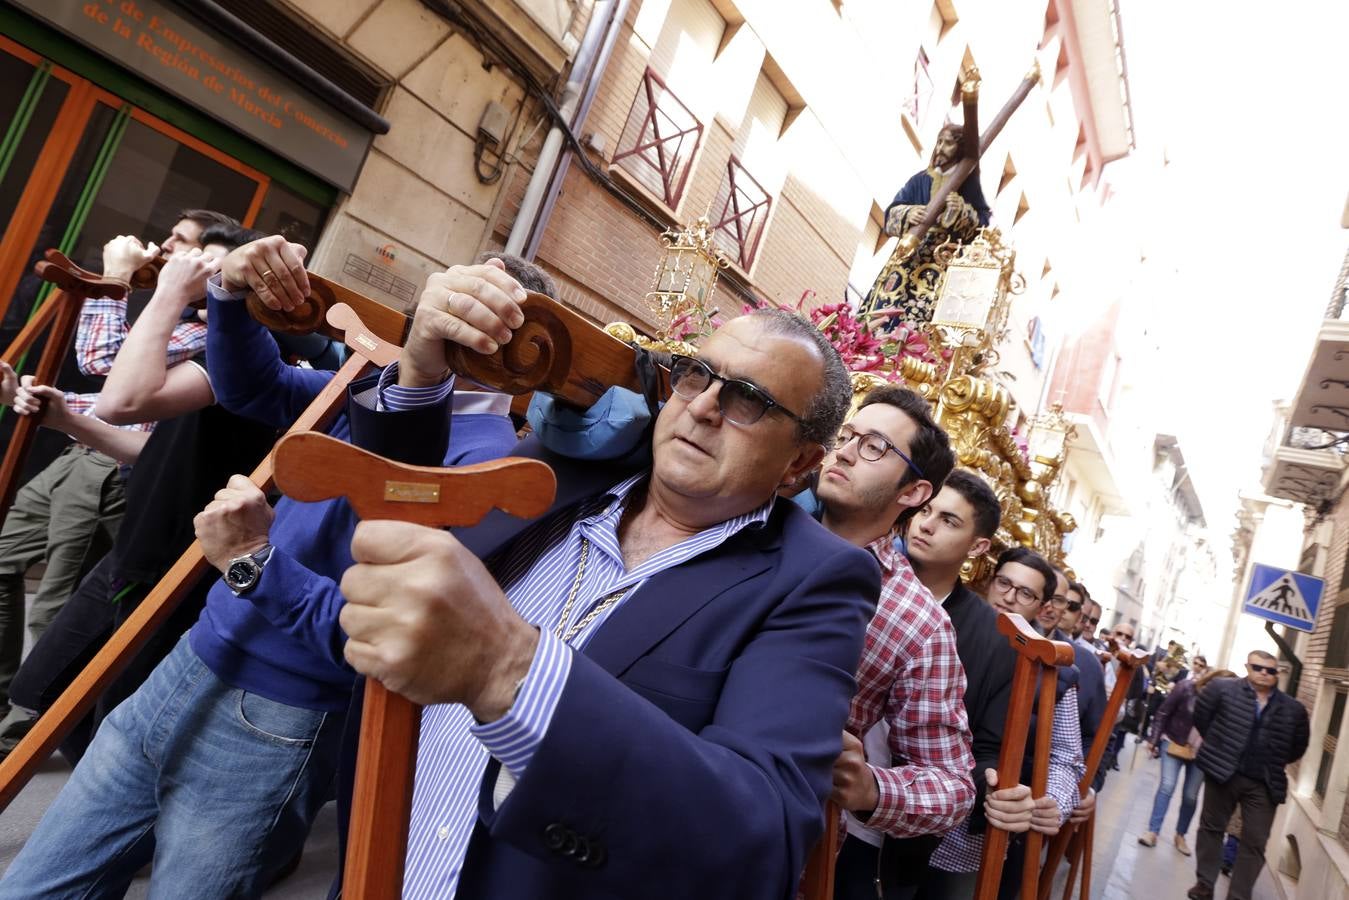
(693, 746)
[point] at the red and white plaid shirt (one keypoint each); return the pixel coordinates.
(103, 330)
(910, 676)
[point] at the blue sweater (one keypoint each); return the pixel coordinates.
(281, 640)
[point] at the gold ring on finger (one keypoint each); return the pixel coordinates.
(268, 273)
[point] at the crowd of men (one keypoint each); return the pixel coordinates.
(739, 606)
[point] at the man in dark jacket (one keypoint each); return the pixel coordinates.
(1251, 731)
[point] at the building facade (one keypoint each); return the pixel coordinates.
(1305, 465)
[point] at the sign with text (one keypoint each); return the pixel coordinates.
(171, 50)
(1284, 597)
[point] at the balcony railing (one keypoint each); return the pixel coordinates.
(659, 140)
(1302, 438)
(742, 207)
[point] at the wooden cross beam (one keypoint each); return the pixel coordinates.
(1037, 661)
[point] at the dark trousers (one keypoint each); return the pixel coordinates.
(1257, 818)
(855, 874)
(96, 609)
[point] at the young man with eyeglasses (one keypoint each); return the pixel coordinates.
(906, 765)
(954, 527)
(1251, 732)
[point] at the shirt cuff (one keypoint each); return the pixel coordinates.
(516, 736)
(215, 288)
(393, 397)
(892, 785)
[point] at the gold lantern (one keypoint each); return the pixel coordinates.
(686, 278)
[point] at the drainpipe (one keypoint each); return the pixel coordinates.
(591, 57)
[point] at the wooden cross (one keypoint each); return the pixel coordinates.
(971, 149)
(1037, 661)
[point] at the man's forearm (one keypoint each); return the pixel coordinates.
(122, 444)
(142, 363)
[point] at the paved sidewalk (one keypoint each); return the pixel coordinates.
(1123, 869)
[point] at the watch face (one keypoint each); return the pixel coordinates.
(241, 574)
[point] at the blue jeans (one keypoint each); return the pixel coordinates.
(219, 787)
(1189, 797)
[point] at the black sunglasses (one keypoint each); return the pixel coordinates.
(1074, 606)
(1268, 670)
(1090, 620)
(740, 401)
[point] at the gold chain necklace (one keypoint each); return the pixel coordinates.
(568, 634)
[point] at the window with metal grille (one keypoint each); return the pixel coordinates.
(659, 140)
(1337, 649)
(741, 210)
(1329, 743)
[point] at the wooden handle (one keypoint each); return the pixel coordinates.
(57, 268)
(818, 881)
(313, 467)
(1129, 660)
(547, 354)
(381, 807)
(1039, 781)
(358, 336)
(1035, 654)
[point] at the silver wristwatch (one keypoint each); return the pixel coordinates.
(243, 572)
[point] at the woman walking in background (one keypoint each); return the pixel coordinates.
(1174, 738)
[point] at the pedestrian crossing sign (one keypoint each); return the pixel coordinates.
(1284, 597)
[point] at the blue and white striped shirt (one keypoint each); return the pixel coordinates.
(537, 574)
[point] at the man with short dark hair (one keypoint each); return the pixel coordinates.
(905, 770)
(1251, 732)
(956, 526)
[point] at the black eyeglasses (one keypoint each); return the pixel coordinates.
(872, 446)
(1024, 594)
(1059, 601)
(739, 401)
(1268, 670)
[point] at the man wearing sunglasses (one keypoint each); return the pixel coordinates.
(1251, 731)
(905, 770)
(641, 692)
(1060, 610)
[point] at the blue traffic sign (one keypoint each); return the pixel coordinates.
(1285, 597)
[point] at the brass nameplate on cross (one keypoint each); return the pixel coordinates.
(411, 492)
